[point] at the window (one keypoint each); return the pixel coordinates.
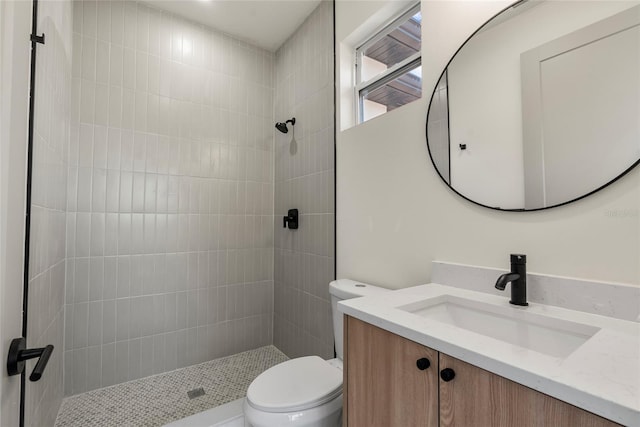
(388, 67)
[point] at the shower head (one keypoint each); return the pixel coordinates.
(282, 127)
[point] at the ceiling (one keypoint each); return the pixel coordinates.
(264, 23)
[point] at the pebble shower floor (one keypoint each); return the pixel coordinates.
(160, 399)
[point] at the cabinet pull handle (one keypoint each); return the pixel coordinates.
(423, 363)
(447, 374)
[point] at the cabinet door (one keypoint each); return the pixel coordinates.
(475, 397)
(383, 384)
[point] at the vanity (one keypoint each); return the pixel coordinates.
(435, 355)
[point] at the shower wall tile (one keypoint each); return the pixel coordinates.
(48, 263)
(304, 179)
(170, 195)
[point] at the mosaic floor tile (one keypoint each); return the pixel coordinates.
(160, 399)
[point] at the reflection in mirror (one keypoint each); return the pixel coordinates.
(541, 106)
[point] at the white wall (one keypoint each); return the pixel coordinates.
(395, 216)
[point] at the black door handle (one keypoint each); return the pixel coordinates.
(18, 354)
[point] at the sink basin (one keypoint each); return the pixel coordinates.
(547, 335)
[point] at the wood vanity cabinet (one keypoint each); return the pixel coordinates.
(386, 386)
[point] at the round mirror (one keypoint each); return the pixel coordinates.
(541, 105)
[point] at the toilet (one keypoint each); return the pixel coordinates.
(306, 391)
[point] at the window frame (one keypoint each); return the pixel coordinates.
(362, 88)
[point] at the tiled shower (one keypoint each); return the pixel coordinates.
(161, 184)
(304, 179)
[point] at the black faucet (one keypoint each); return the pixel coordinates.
(518, 279)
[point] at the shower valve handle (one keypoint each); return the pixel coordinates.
(291, 219)
(19, 354)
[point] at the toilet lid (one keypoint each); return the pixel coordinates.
(294, 385)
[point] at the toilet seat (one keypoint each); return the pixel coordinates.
(295, 385)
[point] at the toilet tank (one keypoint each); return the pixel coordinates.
(345, 289)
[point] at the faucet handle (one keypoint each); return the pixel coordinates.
(518, 259)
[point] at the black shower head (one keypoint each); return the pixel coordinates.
(282, 127)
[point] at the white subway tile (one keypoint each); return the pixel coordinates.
(149, 234)
(154, 75)
(98, 190)
(76, 66)
(130, 23)
(123, 277)
(116, 65)
(68, 327)
(78, 16)
(153, 112)
(87, 101)
(97, 234)
(129, 68)
(166, 23)
(142, 71)
(122, 361)
(137, 235)
(94, 360)
(138, 192)
(88, 58)
(79, 287)
(108, 364)
(154, 32)
(108, 321)
(169, 312)
(135, 317)
(142, 27)
(96, 278)
(110, 277)
(111, 234)
(140, 122)
(80, 325)
(117, 22)
(134, 359)
(146, 356)
(113, 149)
(159, 358)
(89, 20)
(181, 310)
(102, 61)
(115, 107)
(72, 189)
(124, 234)
(128, 108)
(126, 191)
(104, 20)
(100, 147)
(79, 370)
(95, 325)
(83, 234)
(126, 151)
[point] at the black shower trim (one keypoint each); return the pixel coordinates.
(35, 39)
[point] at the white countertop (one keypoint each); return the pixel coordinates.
(601, 376)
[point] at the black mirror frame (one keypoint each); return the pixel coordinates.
(629, 169)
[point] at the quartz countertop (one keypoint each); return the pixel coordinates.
(601, 376)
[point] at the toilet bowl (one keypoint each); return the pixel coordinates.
(306, 391)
